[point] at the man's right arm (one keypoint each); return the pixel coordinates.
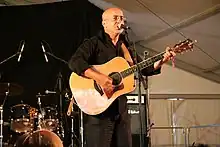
(79, 63)
(103, 80)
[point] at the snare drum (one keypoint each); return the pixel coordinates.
(50, 118)
(21, 119)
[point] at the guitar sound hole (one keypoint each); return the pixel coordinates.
(116, 78)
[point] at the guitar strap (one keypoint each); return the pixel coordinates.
(127, 55)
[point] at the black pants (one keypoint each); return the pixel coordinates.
(108, 131)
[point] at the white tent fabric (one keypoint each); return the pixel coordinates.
(151, 23)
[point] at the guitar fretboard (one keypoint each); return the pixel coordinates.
(142, 65)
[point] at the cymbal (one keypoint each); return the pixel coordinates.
(12, 89)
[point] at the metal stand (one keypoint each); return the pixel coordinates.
(1, 128)
(73, 135)
(7, 92)
(72, 132)
(131, 46)
(147, 109)
(40, 115)
(81, 129)
(16, 54)
(1, 117)
(72, 114)
(59, 82)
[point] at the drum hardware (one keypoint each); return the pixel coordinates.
(41, 114)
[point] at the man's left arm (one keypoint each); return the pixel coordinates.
(156, 67)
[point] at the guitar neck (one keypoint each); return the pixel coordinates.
(142, 65)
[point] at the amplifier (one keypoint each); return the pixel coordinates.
(133, 110)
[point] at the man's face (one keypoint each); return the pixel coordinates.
(113, 21)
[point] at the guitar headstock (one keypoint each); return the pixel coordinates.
(183, 46)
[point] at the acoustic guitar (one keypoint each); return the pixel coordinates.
(92, 99)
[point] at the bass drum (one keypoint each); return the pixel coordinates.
(40, 138)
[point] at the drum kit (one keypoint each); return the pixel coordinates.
(33, 127)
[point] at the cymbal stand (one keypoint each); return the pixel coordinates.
(1, 117)
(73, 135)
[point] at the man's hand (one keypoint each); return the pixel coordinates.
(168, 55)
(106, 83)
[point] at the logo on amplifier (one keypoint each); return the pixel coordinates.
(130, 111)
(133, 99)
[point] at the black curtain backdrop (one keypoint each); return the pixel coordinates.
(62, 27)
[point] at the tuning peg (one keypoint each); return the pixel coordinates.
(185, 49)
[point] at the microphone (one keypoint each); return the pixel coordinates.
(22, 49)
(50, 92)
(124, 27)
(65, 93)
(45, 55)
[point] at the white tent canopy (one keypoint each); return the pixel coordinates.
(157, 24)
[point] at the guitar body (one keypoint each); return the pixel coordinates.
(87, 97)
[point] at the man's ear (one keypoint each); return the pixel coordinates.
(103, 23)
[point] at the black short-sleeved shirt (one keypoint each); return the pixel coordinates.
(99, 50)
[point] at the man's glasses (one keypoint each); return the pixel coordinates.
(117, 17)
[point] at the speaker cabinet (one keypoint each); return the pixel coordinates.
(138, 114)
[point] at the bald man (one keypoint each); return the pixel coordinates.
(112, 127)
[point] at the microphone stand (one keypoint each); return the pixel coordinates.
(18, 53)
(147, 110)
(59, 83)
(57, 58)
(7, 92)
(7, 59)
(140, 80)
